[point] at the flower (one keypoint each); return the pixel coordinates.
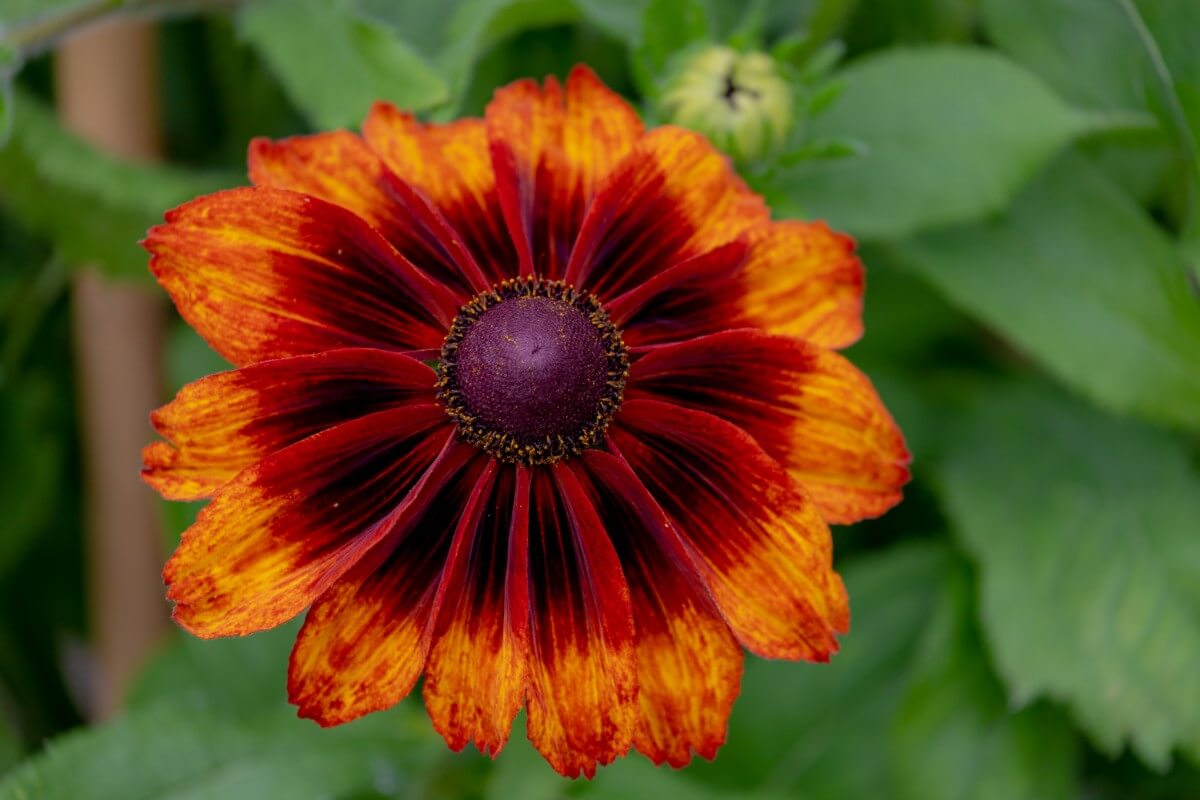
(542, 406)
(738, 100)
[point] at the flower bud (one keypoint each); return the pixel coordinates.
(738, 100)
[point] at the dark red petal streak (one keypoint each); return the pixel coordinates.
(550, 150)
(689, 664)
(674, 197)
(274, 538)
(478, 669)
(265, 273)
(759, 542)
(450, 167)
(582, 706)
(364, 642)
(340, 168)
(699, 296)
(222, 424)
(806, 406)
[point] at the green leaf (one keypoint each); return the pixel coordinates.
(93, 206)
(621, 19)
(821, 729)
(905, 320)
(6, 106)
(1084, 50)
(16, 13)
(10, 740)
(954, 737)
(1076, 276)
(638, 779)
(1084, 530)
(522, 772)
(209, 719)
(1166, 31)
(32, 460)
(1113, 55)
(185, 751)
(1121, 55)
(360, 60)
(875, 25)
(477, 25)
(237, 675)
(668, 26)
(951, 133)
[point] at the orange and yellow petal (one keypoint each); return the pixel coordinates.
(266, 273)
(806, 406)
(365, 640)
(802, 279)
(674, 197)
(551, 149)
(582, 706)
(757, 539)
(689, 664)
(478, 669)
(450, 166)
(222, 424)
(340, 168)
(281, 532)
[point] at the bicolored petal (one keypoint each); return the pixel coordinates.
(340, 168)
(364, 642)
(265, 273)
(757, 539)
(689, 664)
(222, 424)
(450, 166)
(793, 278)
(804, 280)
(281, 532)
(698, 296)
(674, 197)
(806, 406)
(478, 669)
(551, 149)
(582, 707)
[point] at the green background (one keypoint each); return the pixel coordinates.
(1022, 178)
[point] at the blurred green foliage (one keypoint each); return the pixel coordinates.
(1022, 176)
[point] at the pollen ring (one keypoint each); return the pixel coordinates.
(532, 371)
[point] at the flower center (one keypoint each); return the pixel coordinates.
(532, 371)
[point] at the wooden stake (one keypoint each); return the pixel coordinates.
(107, 82)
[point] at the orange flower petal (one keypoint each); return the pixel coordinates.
(478, 669)
(450, 166)
(582, 705)
(222, 424)
(274, 538)
(340, 168)
(672, 198)
(759, 542)
(551, 150)
(264, 273)
(806, 406)
(364, 642)
(689, 664)
(803, 279)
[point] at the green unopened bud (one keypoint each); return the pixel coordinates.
(738, 100)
